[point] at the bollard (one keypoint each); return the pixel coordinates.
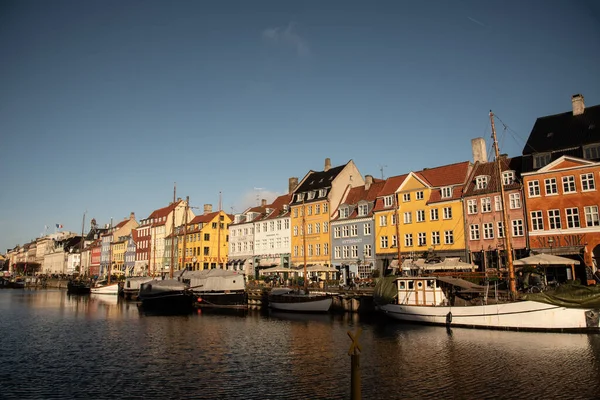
(354, 353)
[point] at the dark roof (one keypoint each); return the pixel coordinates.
(527, 161)
(316, 180)
(564, 131)
(490, 169)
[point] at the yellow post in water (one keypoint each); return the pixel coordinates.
(354, 353)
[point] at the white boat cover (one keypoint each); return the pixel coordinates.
(215, 280)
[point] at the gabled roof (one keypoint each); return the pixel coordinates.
(490, 169)
(446, 175)
(163, 212)
(359, 194)
(564, 131)
(315, 180)
(204, 218)
(277, 207)
(389, 188)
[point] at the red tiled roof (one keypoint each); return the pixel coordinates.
(446, 175)
(391, 185)
(359, 193)
(277, 206)
(204, 218)
(165, 211)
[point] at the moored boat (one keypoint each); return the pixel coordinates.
(288, 299)
(455, 302)
(78, 287)
(166, 295)
(217, 288)
(106, 288)
(131, 287)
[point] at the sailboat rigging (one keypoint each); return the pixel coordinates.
(79, 286)
(441, 300)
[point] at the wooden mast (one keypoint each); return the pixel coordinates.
(219, 234)
(110, 252)
(173, 232)
(398, 230)
(81, 244)
(187, 202)
(304, 245)
(507, 228)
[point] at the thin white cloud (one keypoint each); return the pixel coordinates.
(477, 22)
(252, 198)
(287, 36)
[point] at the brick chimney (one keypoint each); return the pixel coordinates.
(132, 216)
(479, 150)
(368, 181)
(263, 202)
(207, 209)
(292, 184)
(327, 164)
(578, 105)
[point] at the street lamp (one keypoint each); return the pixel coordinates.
(550, 242)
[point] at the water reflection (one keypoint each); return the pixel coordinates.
(89, 346)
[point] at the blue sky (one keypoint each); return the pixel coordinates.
(105, 104)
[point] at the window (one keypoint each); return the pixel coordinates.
(336, 252)
(337, 232)
(353, 230)
(214, 225)
(422, 239)
(449, 237)
(435, 238)
(394, 218)
(309, 210)
(406, 197)
(286, 224)
(318, 249)
(497, 203)
(207, 236)
(300, 197)
(310, 195)
(325, 208)
(537, 221)
(383, 242)
(363, 210)
(488, 230)
(471, 206)
(508, 177)
(322, 192)
(591, 152)
(554, 219)
(325, 249)
(517, 227)
(388, 201)
(408, 217)
(344, 211)
(354, 251)
(367, 229)
(446, 192)
(474, 232)
(317, 209)
(534, 188)
(317, 227)
(295, 231)
(206, 251)
(447, 212)
(572, 217)
(486, 205)
(309, 229)
(481, 182)
(420, 215)
(296, 251)
(345, 231)
(408, 239)
(420, 195)
(515, 200)
(591, 216)
(551, 187)
(568, 184)
(587, 182)
(433, 214)
(541, 160)
(500, 229)
(295, 213)
(394, 241)
(310, 249)
(383, 220)
(368, 250)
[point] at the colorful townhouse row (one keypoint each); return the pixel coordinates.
(336, 217)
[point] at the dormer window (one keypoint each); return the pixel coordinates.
(300, 197)
(285, 207)
(388, 201)
(481, 182)
(446, 192)
(344, 212)
(311, 195)
(322, 192)
(541, 160)
(592, 151)
(508, 177)
(363, 209)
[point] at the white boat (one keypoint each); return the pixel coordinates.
(132, 285)
(108, 289)
(455, 302)
(287, 299)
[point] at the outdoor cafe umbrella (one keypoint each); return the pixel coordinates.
(546, 260)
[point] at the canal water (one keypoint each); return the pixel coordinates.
(56, 346)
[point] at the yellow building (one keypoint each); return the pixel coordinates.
(430, 212)
(118, 255)
(207, 241)
(314, 201)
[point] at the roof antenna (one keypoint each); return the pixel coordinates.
(381, 167)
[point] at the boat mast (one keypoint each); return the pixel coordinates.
(187, 202)
(81, 243)
(507, 231)
(110, 252)
(173, 233)
(219, 234)
(304, 245)
(398, 230)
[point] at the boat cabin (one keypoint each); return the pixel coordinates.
(420, 291)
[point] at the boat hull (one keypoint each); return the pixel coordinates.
(520, 315)
(300, 303)
(221, 300)
(112, 289)
(78, 288)
(168, 302)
